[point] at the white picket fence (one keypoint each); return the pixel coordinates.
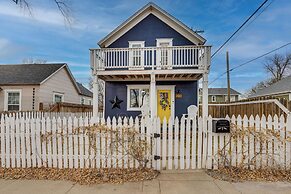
(40, 114)
(179, 144)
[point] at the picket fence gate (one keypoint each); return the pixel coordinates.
(177, 144)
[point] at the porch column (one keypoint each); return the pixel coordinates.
(205, 95)
(153, 96)
(95, 96)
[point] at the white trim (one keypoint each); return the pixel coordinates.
(164, 40)
(151, 8)
(6, 91)
(51, 75)
(70, 75)
(142, 45)
(168, 87)
(129, 87)
(60, 94)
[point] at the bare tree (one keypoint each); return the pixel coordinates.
(34, 61)
(62, 6)
(101, 86)
(278, 66)
(258, 86)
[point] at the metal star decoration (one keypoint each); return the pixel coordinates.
(116, 102)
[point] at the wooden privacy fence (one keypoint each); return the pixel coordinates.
(250, 107)
(254, 142)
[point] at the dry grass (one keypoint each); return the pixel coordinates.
(81, 176)
(234, 174)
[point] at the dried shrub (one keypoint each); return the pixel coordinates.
(80, 176)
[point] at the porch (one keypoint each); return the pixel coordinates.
(151, 64)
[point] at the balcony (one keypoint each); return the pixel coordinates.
(143, 61)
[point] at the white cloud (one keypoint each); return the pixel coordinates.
(38, 14)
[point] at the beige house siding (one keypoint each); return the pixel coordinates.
(26, 97)
(58, 83)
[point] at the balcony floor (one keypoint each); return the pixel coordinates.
(144, 75)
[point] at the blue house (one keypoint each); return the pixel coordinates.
(151, 64)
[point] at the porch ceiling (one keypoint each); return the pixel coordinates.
(146, 77)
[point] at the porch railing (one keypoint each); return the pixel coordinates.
(150, 58)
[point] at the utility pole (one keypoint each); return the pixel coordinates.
(228, 78)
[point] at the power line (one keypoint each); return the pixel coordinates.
(239, 28)
(248, 24)
(247, 62)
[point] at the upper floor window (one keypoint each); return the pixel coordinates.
(213, 98)
(164, 55)
(58, 97)
(82, 100)
(136, 55)
(12, 100)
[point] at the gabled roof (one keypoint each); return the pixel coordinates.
(151, 8)
(84, 91)
(32, 74)
(27, 74)
(222, 91)
(280, 87)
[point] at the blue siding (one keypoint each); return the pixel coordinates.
(148, 30)
(187, 88)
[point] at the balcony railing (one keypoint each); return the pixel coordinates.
(150, 58)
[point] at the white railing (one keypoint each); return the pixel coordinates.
(150, 58)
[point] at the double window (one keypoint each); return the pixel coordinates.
(12, 100)
(58, 97)
(137, 96)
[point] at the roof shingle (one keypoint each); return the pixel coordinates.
(27, 74)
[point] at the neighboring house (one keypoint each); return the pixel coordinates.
(30, 87)
(220, 95)
(86, 95)
(280, 89)
(151, 63)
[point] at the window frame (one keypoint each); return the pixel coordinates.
(213, 97)
(130, 45)
(6, 98)
(169, 53)
(58, 93)
(139, 87)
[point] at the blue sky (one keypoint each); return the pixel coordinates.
(45, 36)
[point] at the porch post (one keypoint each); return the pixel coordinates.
(205, 95)
(95, 96)
(153, 96)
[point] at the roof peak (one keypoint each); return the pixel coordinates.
(143, 13)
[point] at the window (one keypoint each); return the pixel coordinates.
(136, 55)
(58, 97)
(89, 102)
(213, 98)
(164, 54)
(13, 100)
(82, 101)
(137, 96)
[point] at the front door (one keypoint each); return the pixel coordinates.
(164, 104)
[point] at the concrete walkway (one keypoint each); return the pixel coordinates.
(167, 183)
